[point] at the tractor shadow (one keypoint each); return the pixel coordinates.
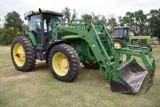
(41, 66)
(84, 73)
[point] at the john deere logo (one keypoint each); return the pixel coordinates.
(68, 27)
(83, 28)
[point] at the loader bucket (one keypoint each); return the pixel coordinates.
(130, 79)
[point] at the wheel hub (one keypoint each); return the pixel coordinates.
(117, 45)
(64, 63)
(60, 64)
(19, 54)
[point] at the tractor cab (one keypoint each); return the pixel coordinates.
(39, 24)
(121, 32)
(40, 29)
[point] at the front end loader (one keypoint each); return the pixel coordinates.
(65, 45)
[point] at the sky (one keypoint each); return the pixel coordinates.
(107, 8)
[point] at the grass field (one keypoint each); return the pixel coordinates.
(39, 88)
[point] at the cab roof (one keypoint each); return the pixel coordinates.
(31, 13)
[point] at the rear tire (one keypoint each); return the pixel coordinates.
(91, 64)
(118, 43)
(64, 63)
(23, 54)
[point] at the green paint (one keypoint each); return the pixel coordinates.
(97, 40)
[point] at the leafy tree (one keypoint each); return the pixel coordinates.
(137, 21)
(7, 35)
(86, 18)
(127, 20)
(11, 24)
(154, 22)
(25, 27)
(68, 16)
(74, 16)
(120, 21)
(13, 21)
(141, 21)
(98, 19)
(112, 23)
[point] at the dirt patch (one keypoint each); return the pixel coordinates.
(154, 46)
(12, 78)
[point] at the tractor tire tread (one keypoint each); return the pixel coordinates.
(121, 42)
(73, 60)
(30, 59)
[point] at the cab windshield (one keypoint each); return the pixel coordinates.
(34, 22)
(48, 19)
(122, 32)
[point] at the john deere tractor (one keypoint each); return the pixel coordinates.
(65, 45)
(122, 38)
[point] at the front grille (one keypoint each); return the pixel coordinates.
(143, 41)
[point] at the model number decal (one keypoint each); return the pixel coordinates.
(68, 27)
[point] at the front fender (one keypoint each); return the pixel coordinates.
(51, 46)
(32, 38)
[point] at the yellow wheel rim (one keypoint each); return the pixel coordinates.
(117, 45)
(19, 54)
(91, 62)
(60, 64)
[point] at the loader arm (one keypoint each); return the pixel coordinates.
(124, 76)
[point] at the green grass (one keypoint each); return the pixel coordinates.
(39, 88)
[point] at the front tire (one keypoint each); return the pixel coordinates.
(64, 63)
(23, 54)
(118, 43)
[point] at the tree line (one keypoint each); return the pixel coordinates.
(139, 22)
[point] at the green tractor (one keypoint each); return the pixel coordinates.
(65, 45)
(122, 38)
